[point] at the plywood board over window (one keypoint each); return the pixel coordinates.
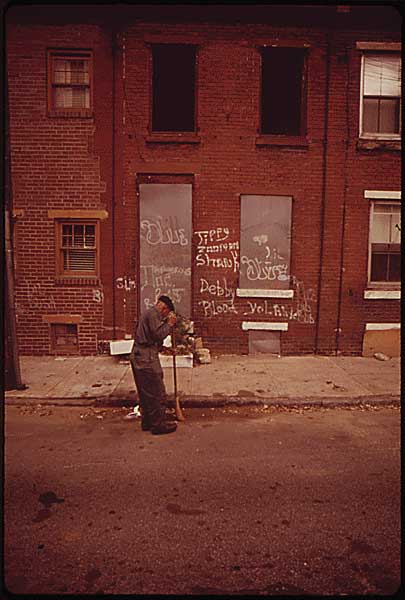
(265, 243)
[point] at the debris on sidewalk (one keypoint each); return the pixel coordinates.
(134, 414)
(203, 356)
(381, 356)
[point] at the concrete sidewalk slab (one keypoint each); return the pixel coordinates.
(106, 380)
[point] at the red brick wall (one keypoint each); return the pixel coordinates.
(67, 163)
(57, 163)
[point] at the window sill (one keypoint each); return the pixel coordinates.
(381, 294)
(173, 138)
(296, 141)
(86, 280)
(71, 114)
(374, 144)
(261, 325)
(248, 293)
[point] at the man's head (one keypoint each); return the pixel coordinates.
(164, 305)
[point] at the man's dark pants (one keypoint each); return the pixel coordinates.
(151, 392)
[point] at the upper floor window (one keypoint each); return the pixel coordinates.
(380, 113)
(69, 81)
(173, 87)
(283, 98)
(385, 238)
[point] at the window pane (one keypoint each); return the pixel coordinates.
(79, 260)
(61, 71)
(389, 116)
(173, 107)
(395, 267)
(80, 98)
(379, 267)
(78, 235)
(62, 97)
(370, 115)
(396, 227)
(79, 71)
(382, 75)
(90, 240)
(381, 227)
(391, 76)
(282, 72)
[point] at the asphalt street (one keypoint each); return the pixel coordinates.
(238, 501)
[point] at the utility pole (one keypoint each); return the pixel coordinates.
(12, 360)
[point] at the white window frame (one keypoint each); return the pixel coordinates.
(391, 49)
(380, 198)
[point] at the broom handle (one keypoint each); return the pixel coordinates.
(174, 364)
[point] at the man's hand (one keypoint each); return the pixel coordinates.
(171, 319)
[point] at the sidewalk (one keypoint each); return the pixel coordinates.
(229, 379)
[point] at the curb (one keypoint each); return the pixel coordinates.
(218, 402)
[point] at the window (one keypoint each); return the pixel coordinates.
(69, 81)
(173, 87)
(64, 337)
(265, 243)
(77, 248)
(381, 95)
(283, 91)
(385, 235)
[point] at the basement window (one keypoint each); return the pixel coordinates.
(385, 247)
(69, 82)
(173, 87)
(64, 337)
(77, 248)
(283, 98)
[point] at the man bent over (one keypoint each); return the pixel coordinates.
(153, 327)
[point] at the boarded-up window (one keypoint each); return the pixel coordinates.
(165, 244)
(265, 242)
(173, 87)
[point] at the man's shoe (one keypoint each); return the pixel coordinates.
(145, 426)
(166, 427)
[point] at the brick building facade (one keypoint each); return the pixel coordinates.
(246, 162)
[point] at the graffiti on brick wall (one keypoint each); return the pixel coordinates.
(163, 230)
(213, 242)
(35, 299)
(98, 296)
(219, 297)
(125, 283)
(163, 280)
(300, 309)
(268, 266)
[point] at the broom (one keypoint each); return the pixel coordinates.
(179, 413)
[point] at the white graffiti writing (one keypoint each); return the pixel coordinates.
(300, 310)
(232, 262)
(215, 241)
(98, 296)
(260, 239)
(209, 236)
(219, 289)
(125, 283)
(163, 230)
(37, 299)
(259, 270)
(212, 308)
